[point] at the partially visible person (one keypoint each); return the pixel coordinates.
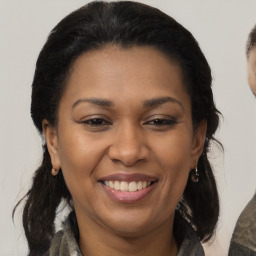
(243, 242)
(251, 56)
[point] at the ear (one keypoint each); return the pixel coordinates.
(198, 142)
(51, 139)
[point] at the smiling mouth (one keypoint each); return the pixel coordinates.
(125, 186)
(128, 187)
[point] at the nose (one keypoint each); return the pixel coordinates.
(129, 146)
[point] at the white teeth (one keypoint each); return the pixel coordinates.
(139, 185)
(116, 185)
(124, 186)
(127, 186)
(111, 184)
(132, 186)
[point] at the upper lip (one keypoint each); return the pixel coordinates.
(128, 177)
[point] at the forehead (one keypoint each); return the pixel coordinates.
(252, 56)
(113, 61)
(132, 73)
(111, 54)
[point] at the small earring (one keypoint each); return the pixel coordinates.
(54, 172)
(195, 175)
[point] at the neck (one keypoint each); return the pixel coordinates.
(96, 241)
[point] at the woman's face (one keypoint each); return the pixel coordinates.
(251, 67)
(124, 139)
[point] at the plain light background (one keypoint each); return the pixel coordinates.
(221, 28)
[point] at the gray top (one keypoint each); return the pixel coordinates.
(65, 244)
(243, 242)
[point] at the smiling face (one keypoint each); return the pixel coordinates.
(124, 139)
(251, 68)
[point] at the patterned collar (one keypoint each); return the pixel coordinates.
(64, 242)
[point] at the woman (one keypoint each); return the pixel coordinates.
(122, 94)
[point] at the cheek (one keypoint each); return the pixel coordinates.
(174, 153)
(79, 156)
(177, 169)
(175, 159)
(77, 149)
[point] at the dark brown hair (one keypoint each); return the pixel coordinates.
(251, 42)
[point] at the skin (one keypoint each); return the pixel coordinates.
(251, 69)
(126, 139)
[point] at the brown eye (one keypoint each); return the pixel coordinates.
(96, 122)
(161, 121)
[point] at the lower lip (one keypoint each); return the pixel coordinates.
(128, 197)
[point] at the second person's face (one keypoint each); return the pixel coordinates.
(251, 67)
(125, 140)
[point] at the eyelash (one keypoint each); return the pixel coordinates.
(102, 124)
(161, 122)
(96, 122)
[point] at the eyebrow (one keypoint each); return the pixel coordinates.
(148, 103)
(95, 101)
(161, 100)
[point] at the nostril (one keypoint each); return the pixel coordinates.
(128, 153)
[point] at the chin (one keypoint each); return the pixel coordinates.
(134, 224)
